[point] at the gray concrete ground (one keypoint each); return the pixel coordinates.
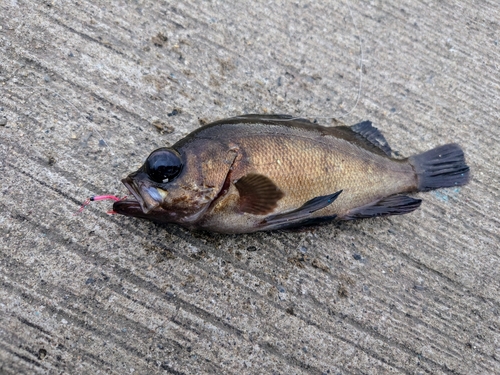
(94, 294)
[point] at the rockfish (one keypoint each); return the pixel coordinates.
(258, 172)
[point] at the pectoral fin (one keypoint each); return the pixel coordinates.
(258, 194)
(301, 214)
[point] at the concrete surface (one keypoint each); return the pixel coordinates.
(95, 294)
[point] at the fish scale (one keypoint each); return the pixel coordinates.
(261, 172)
(301, 173)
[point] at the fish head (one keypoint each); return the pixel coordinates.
(176, 185)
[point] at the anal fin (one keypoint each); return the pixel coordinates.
(393, 205)
(300, 214)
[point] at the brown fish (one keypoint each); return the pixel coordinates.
(259, 172)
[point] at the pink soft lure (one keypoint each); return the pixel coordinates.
(100, 198)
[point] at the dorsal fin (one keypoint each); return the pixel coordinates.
(362, 134)
(256, 116)
(373, 135)
(266, 119)
(258, 194)
(365, 135)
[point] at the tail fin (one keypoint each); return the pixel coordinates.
(440, 167)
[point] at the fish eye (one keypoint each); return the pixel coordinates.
(163, 165)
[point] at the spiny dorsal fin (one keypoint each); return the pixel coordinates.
(266, 119)
(258, 194)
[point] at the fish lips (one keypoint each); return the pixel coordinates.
(147, 196)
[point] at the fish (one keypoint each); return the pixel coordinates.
(267, 172)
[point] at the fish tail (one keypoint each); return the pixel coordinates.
(443, 166)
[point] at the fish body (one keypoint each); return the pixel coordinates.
(258, 172)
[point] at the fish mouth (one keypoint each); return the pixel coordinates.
(146, 196)
(128, 206)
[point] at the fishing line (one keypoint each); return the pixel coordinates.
(360, 79)
(94, 129)
(361, 55)
(360, 82)
(358, 95)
